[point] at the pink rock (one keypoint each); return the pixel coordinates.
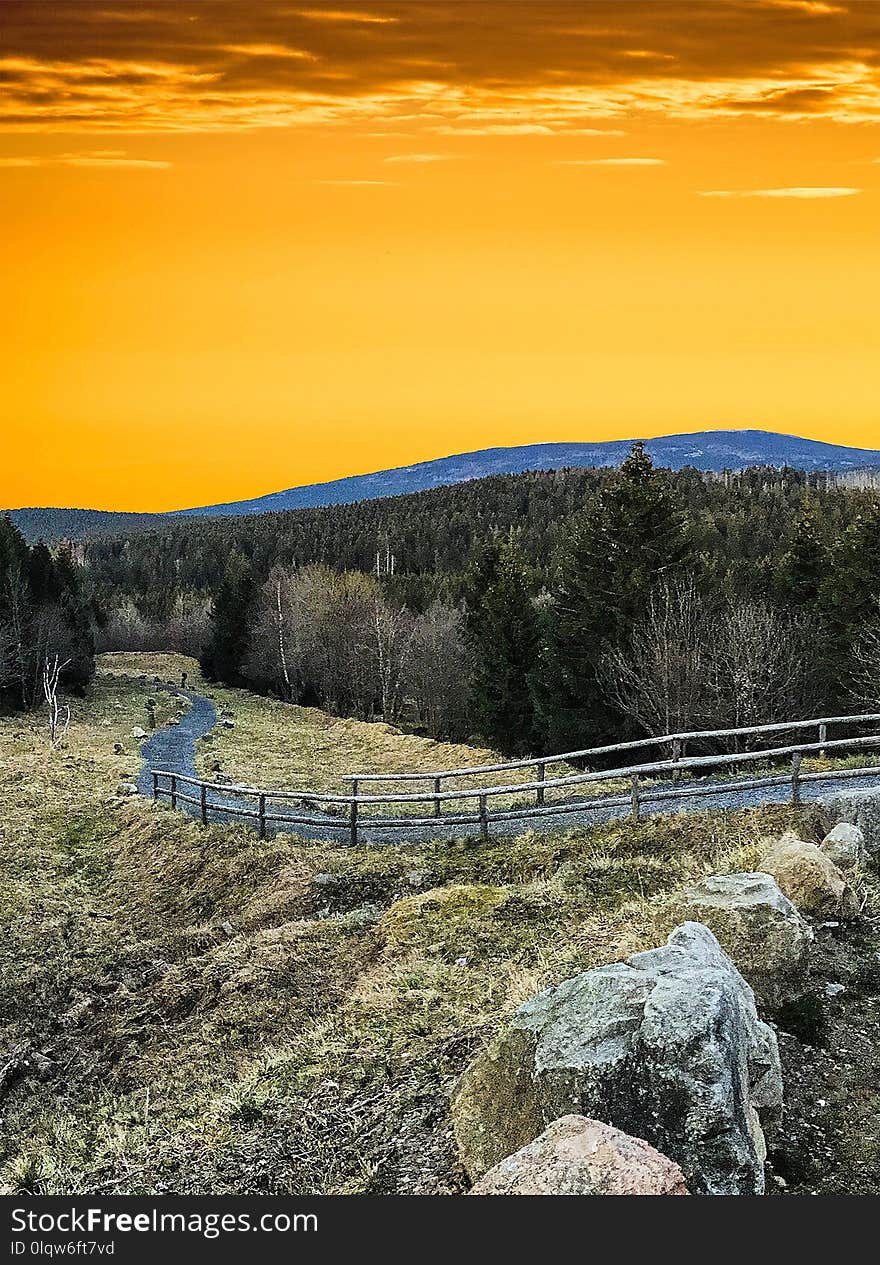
(578, 1156)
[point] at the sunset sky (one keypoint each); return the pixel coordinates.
(245, 246)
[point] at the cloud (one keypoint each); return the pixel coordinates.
(796, 191)
(481, 69)
(113, 160)
(815, 8)
(89, 158)
(419, 158)
(269, 50)
(355, 184)
(611, 162)
(343, 15)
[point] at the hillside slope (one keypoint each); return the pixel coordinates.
(194, 1010)
(705, 450)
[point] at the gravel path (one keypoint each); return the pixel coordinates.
(172, 749)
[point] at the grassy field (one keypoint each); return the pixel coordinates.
(283, 746)
(187, 1008)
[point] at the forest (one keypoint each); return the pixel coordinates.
(545, 611)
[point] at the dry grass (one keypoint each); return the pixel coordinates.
(222, 1013)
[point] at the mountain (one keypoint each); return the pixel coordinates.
(713, 450)
(706, 450)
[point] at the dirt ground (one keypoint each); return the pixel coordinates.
(827, 1141)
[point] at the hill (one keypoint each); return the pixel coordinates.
(708, 451)
(194, 1009)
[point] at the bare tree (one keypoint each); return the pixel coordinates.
(53, 666)
(660, 678)
(763, 665)
(690, 664)
(394, 637)
(865, 687)
(439, 670)
(282, 646)
(184, 630)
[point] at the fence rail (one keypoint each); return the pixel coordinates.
(642, 783)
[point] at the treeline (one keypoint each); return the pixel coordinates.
(739, 525)
(46, 621)
(634, 624)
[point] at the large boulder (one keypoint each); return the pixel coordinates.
(755, 924)
(577, 1156)
(858, 807)
(666, 1046)
(845, 846)
(811, 881)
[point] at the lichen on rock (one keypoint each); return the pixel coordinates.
(666, 1046)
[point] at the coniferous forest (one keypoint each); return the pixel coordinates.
(542, 611)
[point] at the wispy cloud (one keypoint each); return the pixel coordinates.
(795, 191)
(98, 158)
(418, 158)
(355, 183)
(815, 8)
(343, 15)
(610, 162)
(269, 50)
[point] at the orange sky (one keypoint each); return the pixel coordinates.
(246, 246)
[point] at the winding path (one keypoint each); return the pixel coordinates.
(172, 749)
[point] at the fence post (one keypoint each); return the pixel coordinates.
(262, 812)
(354, 812)
(173, 791)
(823, 735)
(676, 756)
(155, 785)
(634, 796)
(796, 778)
(484, 819)
(437, 797)
(204, 798)
(539, 795)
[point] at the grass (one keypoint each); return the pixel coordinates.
(196, 1010)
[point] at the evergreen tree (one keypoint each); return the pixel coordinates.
(805, 563)
(629, 537)
(504, 627)
(222, 657)
(43, 613)
(848, 597)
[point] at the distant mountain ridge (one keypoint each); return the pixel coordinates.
(714, 450)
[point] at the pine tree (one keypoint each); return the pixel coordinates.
(848, 597)
(625, 542)
(804, 565)
(222, 657)
(504, 627)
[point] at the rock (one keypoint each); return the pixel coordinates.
(666, 1046)
(228, 724)
(126, 788)
(577, 1156)
(138, 733)
(118, 748)
(844, 845)
(859, 808)
(756, 926)
(810, 880)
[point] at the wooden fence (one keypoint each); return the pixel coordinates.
(645, 783)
